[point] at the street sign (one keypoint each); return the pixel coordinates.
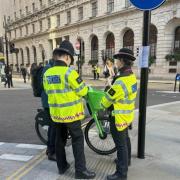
(147, 4)
(178, 77)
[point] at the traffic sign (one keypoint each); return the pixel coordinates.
(147, 4)
(178, 77)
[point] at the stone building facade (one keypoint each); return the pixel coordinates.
(102, 27)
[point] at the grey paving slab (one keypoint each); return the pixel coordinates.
(162, 160)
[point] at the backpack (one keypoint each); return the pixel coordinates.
(36, 81)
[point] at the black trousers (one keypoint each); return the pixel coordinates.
(123, 145)
(24, 77)
(8, 81)
(51, 134)
(77, 145)
(94, 75)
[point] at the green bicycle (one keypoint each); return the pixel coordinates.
(97, 130)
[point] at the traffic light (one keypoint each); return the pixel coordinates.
(11, 47)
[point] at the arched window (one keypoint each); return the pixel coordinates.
(128, 40)
(22, 56)
(94, 48)
(177, 40)
(35, 54)
(28, 55)
(110, 45)
(153, 41)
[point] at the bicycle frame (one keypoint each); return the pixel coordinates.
(99, 126)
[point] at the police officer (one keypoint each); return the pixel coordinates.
(65, 90)
(121, 98)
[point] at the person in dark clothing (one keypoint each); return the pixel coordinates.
(51, 131)
(8, 72)
(24, 73)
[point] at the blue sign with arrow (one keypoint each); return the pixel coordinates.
(147, 4)
(178, 77)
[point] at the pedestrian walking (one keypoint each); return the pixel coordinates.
(29, 72)
(65, 90)
(8, 80)
(24, 73)
(94, 71)
(11, 76)
(98, 71)
(120, 98)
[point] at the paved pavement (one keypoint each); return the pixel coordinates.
(28, 162)
(161, 162)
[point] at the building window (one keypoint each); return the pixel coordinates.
(80, 13)
(110, 45)
(9, 34)
(15, 34)
(40, 25)
(68, 17)
(58, 20)
(94, 9)
(110, 5)
(33, 7)
(51, 2)
(177, 40)
(66, 38)
(33, 28)
(27, 31)
(94, 48)
(127, 3)
(128, 40)
(26, 10)
(40, 3)
(49, 23)
(20, 12)
(59, 41)
(21, 32)
(153, 41)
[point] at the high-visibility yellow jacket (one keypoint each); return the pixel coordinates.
(65, 89)
(122, 95)
(98, 70)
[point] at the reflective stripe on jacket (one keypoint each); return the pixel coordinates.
(65, 89)
(122, 96)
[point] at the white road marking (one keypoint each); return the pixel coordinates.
(168, 92)
(165, 104)
(1, 143)
(31, 146)
(15, 157)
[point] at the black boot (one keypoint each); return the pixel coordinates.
(116, 176)
(62, 171)
(85, 175)
(52, 157)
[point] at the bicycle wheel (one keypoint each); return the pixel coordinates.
(102, 146)
(41, 129)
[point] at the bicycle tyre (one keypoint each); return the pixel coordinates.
(91, 146)
(43, 140)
